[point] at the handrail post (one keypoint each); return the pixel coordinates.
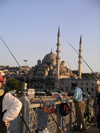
(24, 111)
(59, 118)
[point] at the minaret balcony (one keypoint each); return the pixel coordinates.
(80, 56)
(58, 44)
(58, 57)
(58, 50)
(80, 62)
(80, 50)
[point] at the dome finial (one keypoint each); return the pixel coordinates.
(59, 31)
(51, 50)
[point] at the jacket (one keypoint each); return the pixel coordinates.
(12, 106)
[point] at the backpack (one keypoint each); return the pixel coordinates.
(64, 109)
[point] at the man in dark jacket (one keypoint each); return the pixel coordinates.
(9, 108)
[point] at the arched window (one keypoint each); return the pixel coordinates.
(66, 88)
(87, 89)
(86, 83)
(92, 89)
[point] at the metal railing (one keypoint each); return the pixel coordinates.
(37, 118)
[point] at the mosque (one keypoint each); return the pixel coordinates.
(52, 74)
(48, 72)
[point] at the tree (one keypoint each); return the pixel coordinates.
(21, 86)
(75, 72)
(12, 84)
(88, 75)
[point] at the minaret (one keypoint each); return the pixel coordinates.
(58, 58)
(80, 58)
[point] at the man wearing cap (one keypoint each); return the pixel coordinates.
(77, 97)
(9, 108)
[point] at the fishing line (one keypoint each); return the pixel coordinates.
(50, 113)
(9, 51)
(35, 90)
(68, 63)
(82, 57)
(6, 89)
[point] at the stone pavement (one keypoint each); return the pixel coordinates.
(90, 129)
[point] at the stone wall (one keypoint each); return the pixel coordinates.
(36, 118)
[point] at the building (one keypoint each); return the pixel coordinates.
(48, 72)
(86, 84)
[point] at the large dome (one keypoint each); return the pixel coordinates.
(49, 57)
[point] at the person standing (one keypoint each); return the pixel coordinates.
(97, 89)
(10, 107)
(77, 97)
(97, 114)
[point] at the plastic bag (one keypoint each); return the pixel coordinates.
(45, 131)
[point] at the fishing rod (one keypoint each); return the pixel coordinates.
(10, 51)
(68, 63)
(36, 92)
(63, 87)
(50, 113)
(82, 58)
(24, 121)
(6, 88)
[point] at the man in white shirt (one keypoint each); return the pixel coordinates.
(10, 107)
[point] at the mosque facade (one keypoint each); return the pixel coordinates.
(52, 74)
(48, 72)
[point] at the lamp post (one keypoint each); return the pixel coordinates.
(25, 62)
(24, 99)
(25, 75)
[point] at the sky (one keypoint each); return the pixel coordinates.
(29, 29)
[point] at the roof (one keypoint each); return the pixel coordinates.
(49, 57)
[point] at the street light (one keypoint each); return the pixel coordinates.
(25, 75)
(25, 84)
(25, 62)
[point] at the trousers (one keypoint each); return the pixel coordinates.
(79, 117)
(3, 128)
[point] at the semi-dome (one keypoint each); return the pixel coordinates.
(49, 57)
(43, 66)
(52, 71)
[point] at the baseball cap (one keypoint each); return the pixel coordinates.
(1, 78)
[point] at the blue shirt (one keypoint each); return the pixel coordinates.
(77, 94)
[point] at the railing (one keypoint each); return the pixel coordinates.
(36, 118)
